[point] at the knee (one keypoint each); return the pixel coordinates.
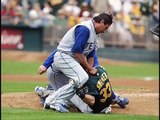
(86, 77)
(83, 80)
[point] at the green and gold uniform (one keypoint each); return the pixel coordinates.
(99, 87)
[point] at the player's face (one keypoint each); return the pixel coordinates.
(102, 27)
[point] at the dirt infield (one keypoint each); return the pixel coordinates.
(143, 95)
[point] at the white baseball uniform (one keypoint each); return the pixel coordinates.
(62, 80)
(65, 62)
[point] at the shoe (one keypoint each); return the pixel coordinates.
(46, 106)
(59, 107)
(39, 90)
(42, 92)
(121, 101)
(155, 30)
(49, 87)
(107, 110)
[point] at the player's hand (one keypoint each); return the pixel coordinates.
(42, 69)
(93, 71)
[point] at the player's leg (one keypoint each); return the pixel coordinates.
(80, 104)
(56, 79)
(121, 101)
(72, 69)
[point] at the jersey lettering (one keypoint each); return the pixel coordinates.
(106, 91)
(89, 46)
(101, 82)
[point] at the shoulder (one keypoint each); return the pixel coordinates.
(82, 28)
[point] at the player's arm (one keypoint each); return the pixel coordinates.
(81, 38)
(88, 99)
(47, 63)
(90, 58)
(96, 62)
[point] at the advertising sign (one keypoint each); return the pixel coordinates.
(11, 38)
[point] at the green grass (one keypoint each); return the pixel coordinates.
(26, 68)
(12, 86)
(138, 71)
(16, 67)
(28, 114)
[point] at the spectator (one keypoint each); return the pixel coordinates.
(71, 8)
(47, 8)
(85, 16)
(47, 17)
(135, 12)
(35, 15)
(123, 31)
(100, 5)
(115, 7)
(154, 13)
(61, 19)
(73, 20)
(12, 12)
(126, 7)
(8, 10)
(56, 5)
(84, 7)
(72, 12)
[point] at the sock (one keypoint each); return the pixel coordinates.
(113, 95)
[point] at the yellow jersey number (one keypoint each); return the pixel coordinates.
(106, 91)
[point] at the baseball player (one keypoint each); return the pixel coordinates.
(61, 80)
(74, 57)
(96, 93)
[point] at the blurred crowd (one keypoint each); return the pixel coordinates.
(132, 18)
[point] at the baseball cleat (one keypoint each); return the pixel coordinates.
(42, 92)
(107, 110)
(39, 90)
(121, 101)
(46, 106)
(59, 107)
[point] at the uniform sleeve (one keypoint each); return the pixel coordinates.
(81, 38)
(96, 62)
(91, 54)
(49, 60)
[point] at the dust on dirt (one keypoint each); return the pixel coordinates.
(143, 95)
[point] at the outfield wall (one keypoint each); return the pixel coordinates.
(129, 54)
(135, 54)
